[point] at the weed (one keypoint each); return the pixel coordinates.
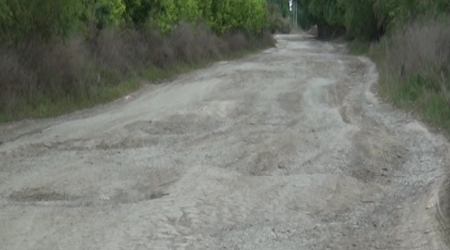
(40, 79)
(414, 67)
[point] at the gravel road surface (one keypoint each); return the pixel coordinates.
(290, 148)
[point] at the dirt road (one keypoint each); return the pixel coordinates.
(287, 149)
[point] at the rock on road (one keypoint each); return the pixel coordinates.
(286, 149)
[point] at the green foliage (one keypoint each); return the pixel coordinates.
(221, 15)
(165, 14)
(137, 11)
(56, 54)
(188, 10)
(206, 12)
(396, 13)
(109, 12)
(321, 12)
(359, 19)
(275, 20)
(282, 6)
(305, 18)
(367, 19)
(249, 15)
(326, 12)
(47, 19)
(43, 19)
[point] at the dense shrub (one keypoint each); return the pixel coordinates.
(109, 12)
(328, 15)
(21, 19)
(276, 20)
(282, 6)
(249, 16)
(39, 19)
(137, 11)
(75, 52)
(418, 45)
(396, 13)
(367, 19)
(359, 19)
(48, 76)
(415, 69)
(221, 15)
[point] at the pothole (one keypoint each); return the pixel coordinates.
(150, 185)
(291, 102)
(177, 125)
(376, 155)
(42, 197)
(39, 194)
(37, 197)
(133, 196)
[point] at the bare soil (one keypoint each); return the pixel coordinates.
(287, 149)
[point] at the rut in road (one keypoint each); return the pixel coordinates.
(287, 149)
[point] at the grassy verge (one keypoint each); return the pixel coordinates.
(414, 67)
(45, 106)
(359, 48)
(51, 80)
(354, 47)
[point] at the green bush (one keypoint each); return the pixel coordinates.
(58, 55)
(359, 19)
(137, 11)
(282, 6)
(328, 15)
(276, 21)
(23, 19)
(367, 19)
(326, 12)
(397, 13)
(221, 15)
(109, 12)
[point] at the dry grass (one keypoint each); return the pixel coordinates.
(443, 209)
(423, 44)
(40, 79)
(195, 43)
(414, 65)
(415, 70)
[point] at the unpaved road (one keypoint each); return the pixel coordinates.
(286, 149)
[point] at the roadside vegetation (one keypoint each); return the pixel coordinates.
(57, 56)
(279, 16)
(409, 40)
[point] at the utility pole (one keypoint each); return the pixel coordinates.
(294, 14)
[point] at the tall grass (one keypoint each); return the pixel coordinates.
(415, 70)
(40, 79)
